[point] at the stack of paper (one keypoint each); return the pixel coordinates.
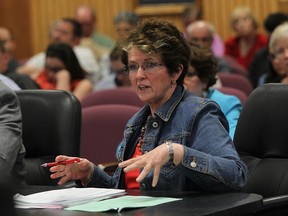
(64, 197)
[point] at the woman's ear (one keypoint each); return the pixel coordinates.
(179, 72)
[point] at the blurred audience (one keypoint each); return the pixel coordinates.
(10, 46)
(201, 33)
(4, 58)
(9, 82)
(68, 31)
(124, 22)
(193, 13)
(261, 66)
(201, 77)
(13, 80)
(62, 71)
(247, 40)
(86, 16)
(278, 49)
(118, 77)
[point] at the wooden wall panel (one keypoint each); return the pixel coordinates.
(30, 19)
(15, 15)
(218, 12)
(44, 12)
(172, 13)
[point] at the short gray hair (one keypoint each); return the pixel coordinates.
(279, 32)
(127, 16)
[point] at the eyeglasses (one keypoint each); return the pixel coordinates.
(53, 69)
(191, 74)
(279, 53)
(203, 40)
(147, 67)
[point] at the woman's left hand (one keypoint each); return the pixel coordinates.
(153, 160)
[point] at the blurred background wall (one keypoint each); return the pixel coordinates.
(29, 20)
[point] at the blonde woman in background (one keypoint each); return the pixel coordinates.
(247, 39)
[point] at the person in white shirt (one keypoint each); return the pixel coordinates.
(9, 82)
(4, 60)
(69, 31)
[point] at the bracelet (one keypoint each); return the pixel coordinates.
(170, 150)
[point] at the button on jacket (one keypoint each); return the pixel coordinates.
(210, 161)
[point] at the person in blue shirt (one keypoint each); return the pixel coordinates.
(200, 78)
(177, 141)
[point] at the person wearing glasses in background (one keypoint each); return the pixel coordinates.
(278, 56)
(177, 141)
(62, 71)
(201, 77)
(124, 22)
(201, 33)
(261, 66)
(118, 77)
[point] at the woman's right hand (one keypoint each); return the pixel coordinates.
(77, 171)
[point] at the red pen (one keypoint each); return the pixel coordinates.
(70, 161)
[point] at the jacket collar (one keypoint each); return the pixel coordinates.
(165, 111)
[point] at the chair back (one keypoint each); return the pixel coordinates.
(261, 139)
(235, 66)
(233, 91)
(51, 126)
(102, 130)
(236, 81)
(123, 95)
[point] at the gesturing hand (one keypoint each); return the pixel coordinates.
(77, 171)
(152, 160)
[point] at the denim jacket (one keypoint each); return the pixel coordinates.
(210, 161)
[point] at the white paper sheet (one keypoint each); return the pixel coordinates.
(65, 197)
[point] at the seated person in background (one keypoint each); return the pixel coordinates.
(11, 79)
(100, 44)
(247, 41)
(192, 14)
(261, 65)
(11, 146)
(201, 33)
(86, 16)
(278, 45)
(68, 31)
(9, 82)
(125, 22)
(176, 137)
(62, 71)
(10, 46)
(118, 77)
(199, 79)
